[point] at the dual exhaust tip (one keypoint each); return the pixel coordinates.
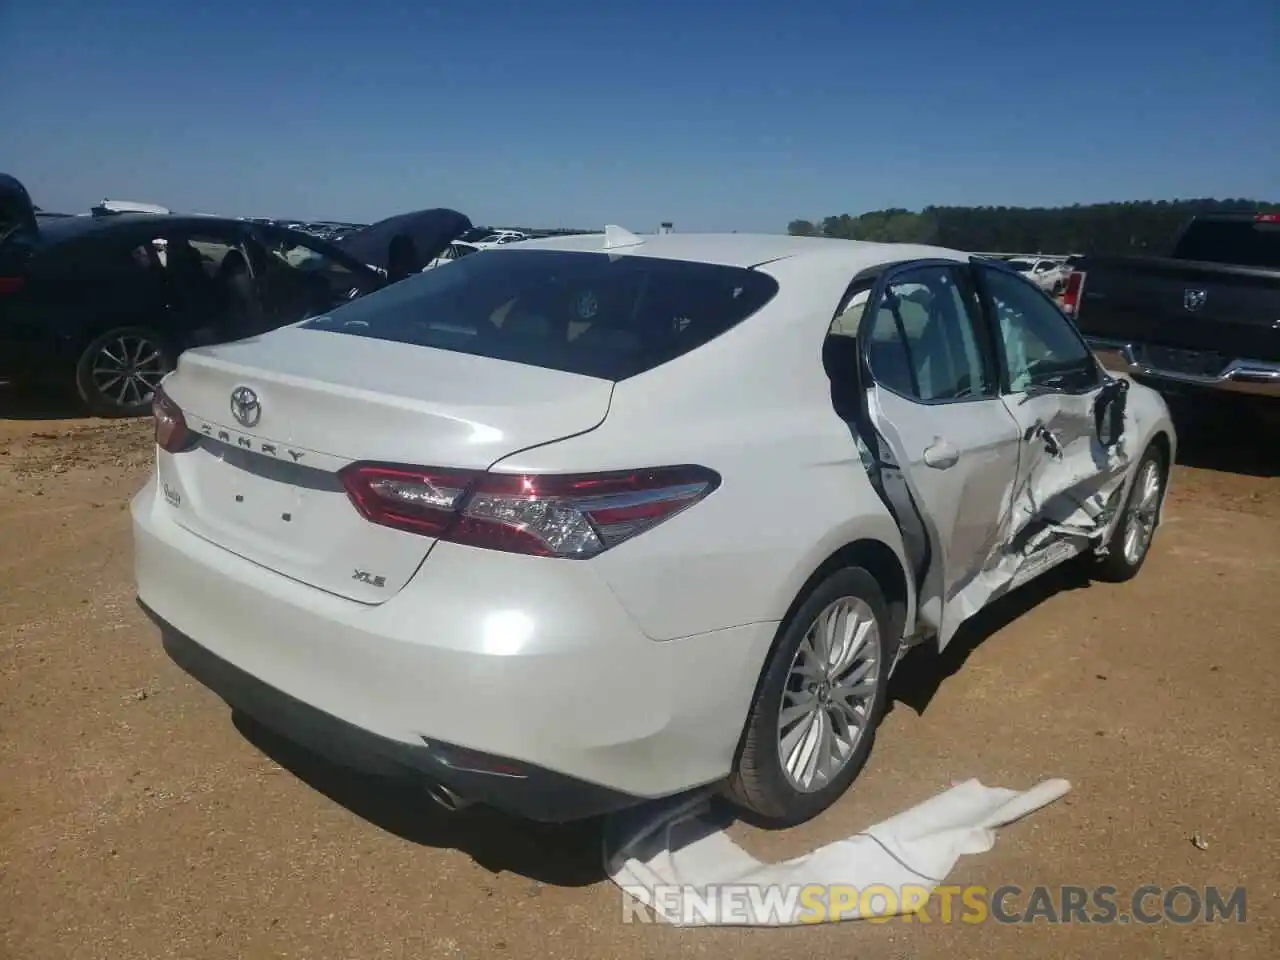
(445, 798)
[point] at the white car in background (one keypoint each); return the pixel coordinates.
(500, 238)
(604, 518)
(455, 251)
(1047, 273)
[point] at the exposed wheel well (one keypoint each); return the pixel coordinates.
(1162, 444)
(879, 561)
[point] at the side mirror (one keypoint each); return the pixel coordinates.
(1108, 411)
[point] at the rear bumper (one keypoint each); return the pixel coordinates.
(515, 681)
(1252, 377)
(520, 788)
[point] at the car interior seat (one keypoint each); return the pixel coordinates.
(234, 286)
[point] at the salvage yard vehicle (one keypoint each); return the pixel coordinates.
(106, 304)
(1204, 320)
(407, 243)
(601, 518)
(455, 251)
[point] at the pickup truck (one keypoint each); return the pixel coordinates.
(1205, 318)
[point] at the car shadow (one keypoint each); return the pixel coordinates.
(39, 404)
(1229, 437)
(566, 855)
(924, 670)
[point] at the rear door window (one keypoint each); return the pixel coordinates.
(588, 313)
(304, 264)
(923, 341)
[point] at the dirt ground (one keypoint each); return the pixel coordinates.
(139, 818)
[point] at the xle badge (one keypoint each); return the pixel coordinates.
(373, 580)
(172, 496)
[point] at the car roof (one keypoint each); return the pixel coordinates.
(747, 249)
(66, 228)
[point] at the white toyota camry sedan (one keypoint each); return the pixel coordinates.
(590, 520)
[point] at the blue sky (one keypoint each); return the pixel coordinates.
(718, 116)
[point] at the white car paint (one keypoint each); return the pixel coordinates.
(1046, 272)
(454, 251)
(635, 669)
(499, 238)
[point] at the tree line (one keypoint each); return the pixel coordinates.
(1143, 226)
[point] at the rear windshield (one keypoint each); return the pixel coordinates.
(1244, 243)
(594, 314)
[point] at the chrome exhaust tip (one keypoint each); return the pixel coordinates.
(445, 798)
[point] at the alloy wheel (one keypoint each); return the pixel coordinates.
(1140, 524)
(127, 370)
(828, 694)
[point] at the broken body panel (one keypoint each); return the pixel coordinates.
(994, 491)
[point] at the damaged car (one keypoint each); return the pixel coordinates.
(407, 243)
(598, 519)
(102, 306)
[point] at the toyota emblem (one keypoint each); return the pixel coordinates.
(245, 407)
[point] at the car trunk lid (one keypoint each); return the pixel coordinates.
(277, 417)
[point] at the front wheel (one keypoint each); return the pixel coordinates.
(1131, 539)
(823, 691)
(119, 371)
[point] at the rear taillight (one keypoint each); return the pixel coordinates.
(1268, 218)
(172, 434)
(1071, 294)
(417, 499)
(10, 285)
(553, 515)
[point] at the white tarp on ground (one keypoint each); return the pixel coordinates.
(678, 861)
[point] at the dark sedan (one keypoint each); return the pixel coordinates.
(105, 305)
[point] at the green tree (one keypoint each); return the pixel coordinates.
(1134, 227)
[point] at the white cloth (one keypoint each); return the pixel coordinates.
(677, 860)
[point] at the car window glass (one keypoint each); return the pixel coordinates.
(922, 341)
(587, 313)
(121, 265)
(300, 256)
(196, 260)
(302, 266)
(1038, 343)
(849, 318)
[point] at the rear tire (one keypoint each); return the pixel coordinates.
(821, 696)
(1130, 541)
(118, 372)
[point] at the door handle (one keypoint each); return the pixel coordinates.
(1052, 445)
(940, 454)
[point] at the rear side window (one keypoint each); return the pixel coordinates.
(923, 341)
(594, 314)
(1244, 243)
